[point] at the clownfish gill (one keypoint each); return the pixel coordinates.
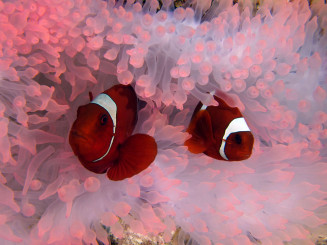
(110, 106)
(220, 132)
(101, 136)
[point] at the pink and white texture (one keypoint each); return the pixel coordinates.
(271, 64)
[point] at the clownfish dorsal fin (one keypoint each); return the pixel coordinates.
(201, 130)
(135, 155)
(222, 103)
(90, 96)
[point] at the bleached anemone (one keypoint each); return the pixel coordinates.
(271, 63)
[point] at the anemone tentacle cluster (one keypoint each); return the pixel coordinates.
(271, 62)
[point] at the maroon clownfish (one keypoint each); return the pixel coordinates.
(101, 136)
(220, 132)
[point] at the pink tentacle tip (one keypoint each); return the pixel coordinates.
(92, 184)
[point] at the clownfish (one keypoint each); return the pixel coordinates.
(101, 136)
(220, 132)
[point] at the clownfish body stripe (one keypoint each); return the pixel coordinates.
(235, 126)
(107, 103)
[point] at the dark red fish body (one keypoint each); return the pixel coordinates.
(220, 132)
(101, 137)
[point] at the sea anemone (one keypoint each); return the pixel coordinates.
(270, 62)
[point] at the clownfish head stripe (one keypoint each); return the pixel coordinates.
(110, 106)
(236, 125)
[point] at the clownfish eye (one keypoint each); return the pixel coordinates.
(238, 139)
(104, 119)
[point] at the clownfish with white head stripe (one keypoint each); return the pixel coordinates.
(220, 132)
(101, 136)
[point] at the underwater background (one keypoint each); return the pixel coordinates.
(269, 60)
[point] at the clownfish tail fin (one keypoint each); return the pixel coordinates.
(135, 155)
(201, 130)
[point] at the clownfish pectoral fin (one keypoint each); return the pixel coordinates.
(135, 155)
(201, 130)
(90, 96)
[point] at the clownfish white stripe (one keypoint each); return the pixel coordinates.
(203, 107)
(222, 150)
(236, 125)
(110, 106)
